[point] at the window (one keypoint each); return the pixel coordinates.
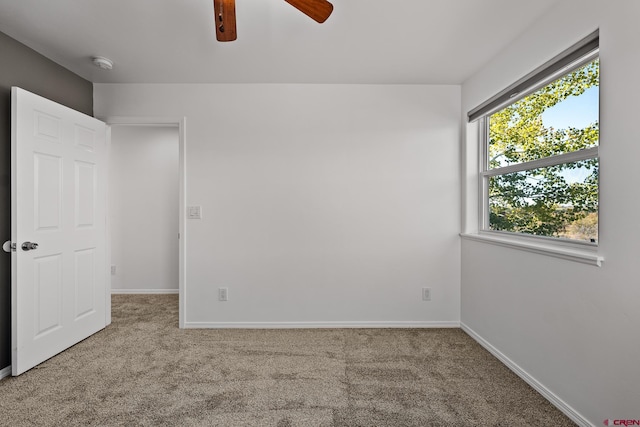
(539, 143)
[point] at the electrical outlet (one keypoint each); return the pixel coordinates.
(426, 294)
(223, 294)
(113, 270)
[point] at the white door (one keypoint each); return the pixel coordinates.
(58, 202)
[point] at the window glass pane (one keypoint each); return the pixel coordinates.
(559, 201)
(559, 118)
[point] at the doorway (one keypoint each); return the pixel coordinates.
(146, 202)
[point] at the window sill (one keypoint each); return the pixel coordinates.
(584, 256)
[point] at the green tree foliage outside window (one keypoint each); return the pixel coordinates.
(555, 201)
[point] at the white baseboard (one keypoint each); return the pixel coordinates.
(575, 416)
(318, 325)
(143, 291)
(5, 372)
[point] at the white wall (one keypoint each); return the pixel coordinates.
(321, 203)
(143, 208)
(573, 328)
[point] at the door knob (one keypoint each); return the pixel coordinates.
(28, 246)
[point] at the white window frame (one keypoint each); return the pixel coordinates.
(575, 250)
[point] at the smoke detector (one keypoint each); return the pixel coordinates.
(102, 62)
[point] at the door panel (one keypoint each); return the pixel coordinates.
(84, 282)
(48, 191)
(48, 293)
(86, 188)
(59, 289)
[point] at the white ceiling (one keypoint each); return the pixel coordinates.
(364, 41)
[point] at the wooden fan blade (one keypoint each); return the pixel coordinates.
(224, 14)
(318, 10)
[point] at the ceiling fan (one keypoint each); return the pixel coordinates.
(225, 15)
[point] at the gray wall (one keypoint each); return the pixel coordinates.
(23, 67)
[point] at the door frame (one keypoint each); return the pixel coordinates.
(180, 122)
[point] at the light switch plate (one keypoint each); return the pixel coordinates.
(194, 212)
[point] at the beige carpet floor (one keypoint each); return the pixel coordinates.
(143, 370)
